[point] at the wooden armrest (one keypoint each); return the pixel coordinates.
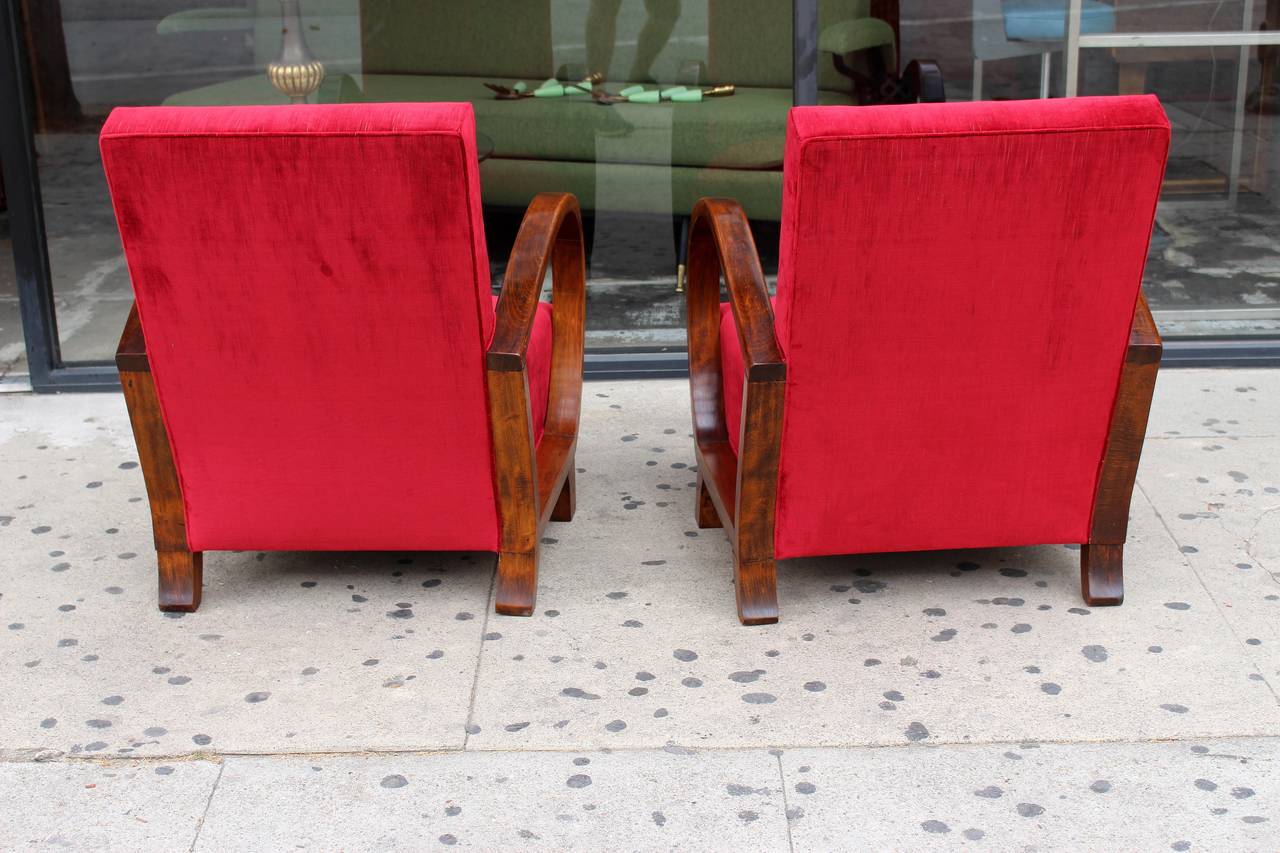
(550, 233)
(720, 241)
(131, 354)
(1144, 335)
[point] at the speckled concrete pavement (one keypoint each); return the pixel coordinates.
(912, 701)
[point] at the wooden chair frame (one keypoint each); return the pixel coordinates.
(739, 492)
(736, 492)
(532, 485)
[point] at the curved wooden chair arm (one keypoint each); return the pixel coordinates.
(736, 491)
(535, 483)
(720, 241)
(131, 354)
(1144, 335)
(551, 232)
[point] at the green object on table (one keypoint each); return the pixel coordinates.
(519, 88)
(669, 94)
(553, 90)
(688, 96)
(631, 90)
(581, 88)
(650, 97)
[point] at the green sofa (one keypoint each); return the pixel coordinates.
(656, 158)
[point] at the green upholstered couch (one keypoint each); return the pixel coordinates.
(644, 158)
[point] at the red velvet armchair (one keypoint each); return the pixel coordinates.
(967, 364)
(314, 360)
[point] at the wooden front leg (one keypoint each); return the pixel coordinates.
(516, 478)
(756, 577)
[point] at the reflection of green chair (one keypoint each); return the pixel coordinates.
(654, 158)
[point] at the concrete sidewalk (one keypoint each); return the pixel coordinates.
(912, 701)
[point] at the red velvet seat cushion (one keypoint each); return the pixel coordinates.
(538, 358)
(314, 289)
(955, 290)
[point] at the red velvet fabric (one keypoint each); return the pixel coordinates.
(538, 358)
(956, 286)
(314, 289)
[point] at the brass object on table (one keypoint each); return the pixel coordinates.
(296, 73)
(296, 81)
(722, 91)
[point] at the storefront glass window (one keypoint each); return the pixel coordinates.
(638, 167)
(1214, 267)
(12, 349)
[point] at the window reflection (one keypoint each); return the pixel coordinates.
(639, 167)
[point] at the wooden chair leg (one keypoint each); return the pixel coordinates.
(517, 583)
(1102, 558)
(181, 580)
(567, 503)
(707, 517)
(757, 588)
(181, 570)
(1102, 574)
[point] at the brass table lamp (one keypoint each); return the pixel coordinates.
(296, 73)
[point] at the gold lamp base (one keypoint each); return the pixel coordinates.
(296, 79)
(296, 73)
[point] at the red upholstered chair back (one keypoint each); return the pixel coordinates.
(314, 290)
(955, 291)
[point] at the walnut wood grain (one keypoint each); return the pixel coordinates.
(532, 483)
(131, 354)
(1101, 559)
(742, 488)
(1102, 574)
(180, 570)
